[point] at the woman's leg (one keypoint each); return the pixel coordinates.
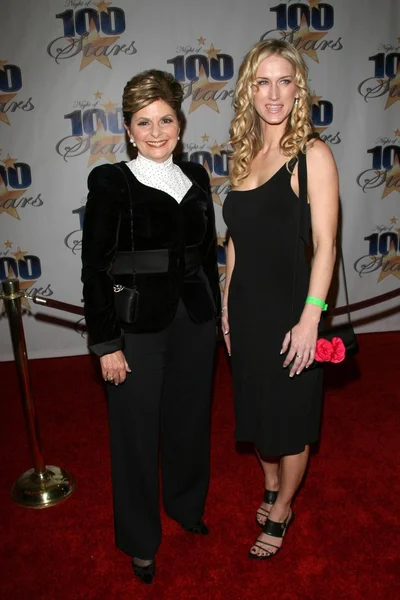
(185, 418)
(134, 410)
(271, 483)
(292, 469)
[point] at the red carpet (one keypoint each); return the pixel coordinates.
(343, 545)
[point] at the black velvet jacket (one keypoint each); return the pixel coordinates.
(159, 222)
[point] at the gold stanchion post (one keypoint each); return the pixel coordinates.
(43, 485)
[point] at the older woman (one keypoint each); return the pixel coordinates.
(273, 300)
(149, 225)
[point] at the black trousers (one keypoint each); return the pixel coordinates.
(164, 405)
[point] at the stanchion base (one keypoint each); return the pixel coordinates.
(40, 490)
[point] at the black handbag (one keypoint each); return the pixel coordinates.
(344, 332)
(126, 299)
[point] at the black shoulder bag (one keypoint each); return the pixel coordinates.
(334, 343)
(127, 299)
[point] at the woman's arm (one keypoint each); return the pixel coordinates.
(99, 246)
(230, 263)
(210, 257)
(323, 193)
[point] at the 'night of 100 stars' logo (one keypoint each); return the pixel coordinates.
(96, 128)
(322, 118)
(214, 158)
(305, 25)
(386, 78)
(91, 32)
(383, 252)
(27, 267)
(15, 179)
(204, 74)
(385, 167)
(10, 85)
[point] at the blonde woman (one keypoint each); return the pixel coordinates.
(277, 399)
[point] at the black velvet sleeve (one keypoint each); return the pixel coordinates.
(209, 249)
(99, 245)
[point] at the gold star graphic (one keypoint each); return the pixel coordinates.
(313, 3)
(97, 95)
(101, 145)
(109, 107)
(4, 99)
(221, 240)
(212, 52)
(397, 132)
(25, 285)
(201, 40)
(307, 39)
(2, 63)
(103, 6)
(205, 138)
(8, 244)
(203, 92)
(5, 196)
(9, 163)
(19, 254)
(216, 148)
(392, 179)
(215, 183)
(394, 89)
(393, 220)
(95, 46)
(390, 264)
(315, 99)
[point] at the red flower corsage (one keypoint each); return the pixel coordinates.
(330, 351)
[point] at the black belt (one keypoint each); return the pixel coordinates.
(154, 261)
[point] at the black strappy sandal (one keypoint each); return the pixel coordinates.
(273, 529)
(269, 498)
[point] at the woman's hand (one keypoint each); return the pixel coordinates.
(225, 328)
(302, 347)
(114, 367)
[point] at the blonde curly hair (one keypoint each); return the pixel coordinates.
(245, 133)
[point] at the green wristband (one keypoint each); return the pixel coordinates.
(317, 302)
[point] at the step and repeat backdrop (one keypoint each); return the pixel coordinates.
(63, 66)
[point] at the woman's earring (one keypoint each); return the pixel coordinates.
(296, 101)
(133, 142)
(179, 137)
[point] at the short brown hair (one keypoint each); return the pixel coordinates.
(148, 86)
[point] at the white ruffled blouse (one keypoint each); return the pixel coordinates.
(165, 176)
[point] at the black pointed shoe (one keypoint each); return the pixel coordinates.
(145, 574)
(200, 528)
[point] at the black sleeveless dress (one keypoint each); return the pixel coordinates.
(279, 414)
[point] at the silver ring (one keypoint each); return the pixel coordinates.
(298, 356)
